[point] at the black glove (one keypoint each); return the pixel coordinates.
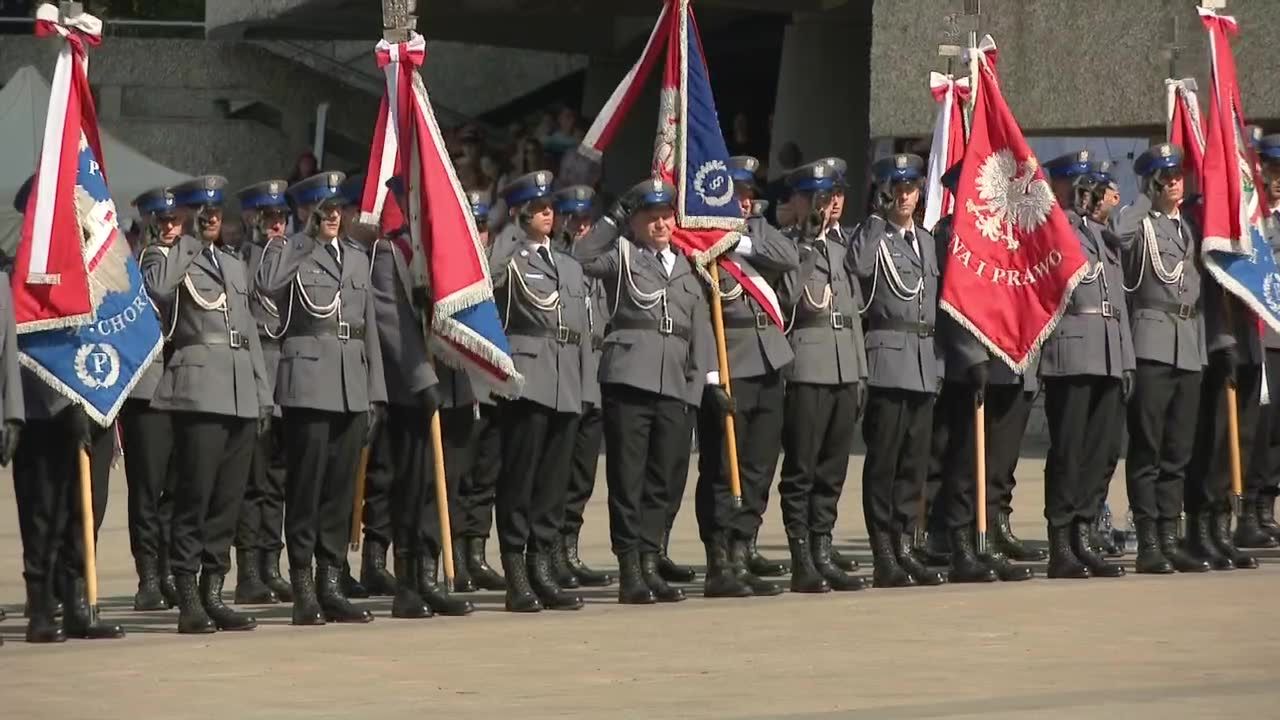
(719, 399)
(264, 419)
(1224, 363)
(430, 399)
(861, 389)
(619, 212)
(9, 440)
(882, 202)
(979, 374)
(377, 416)
(81, 427)
(1126, 384)
(421, 299)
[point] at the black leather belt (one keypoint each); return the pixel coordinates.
(1106, 310)
(759, 322)
(663, 326)
(835, 320)
(234, 339)
(343, 331)
(1182, 311)
(906, 326)
(562, 335)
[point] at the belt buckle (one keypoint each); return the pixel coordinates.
(1107, 311)
(762, 321)
(562, 334)
(923, 329)
(837, 320)
(1184, 311)
(344, 331)
(236, 340)
(666, 326)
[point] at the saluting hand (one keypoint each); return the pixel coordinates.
(9, 441)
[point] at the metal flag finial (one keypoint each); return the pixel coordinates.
(398, 19)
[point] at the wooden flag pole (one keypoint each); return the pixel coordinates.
(357, 503)
(980, 471)
(86, 526)
(1233, 442)
(442, 500)
(722, 359)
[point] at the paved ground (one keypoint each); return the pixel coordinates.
(1180, 647)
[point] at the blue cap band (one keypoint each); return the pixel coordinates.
(524, 193)
(258, 201)
(573, 206)
(812, 184)
(199, 197)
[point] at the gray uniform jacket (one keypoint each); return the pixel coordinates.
(670, 364)
(1165, 317)
(1087, 342)
(216, 365)
(10, 379)
(145, 388)
(406, 366)
(268, 319)
(756, 345)
(900, 333)
(319, 369)
(597, 320)
(825, 354)
(550, 347)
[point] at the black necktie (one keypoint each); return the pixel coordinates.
(545, 254)
(333, 253)
(910, 239)
(213, 258)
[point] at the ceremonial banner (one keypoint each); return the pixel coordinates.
(407, 141)
(1186, 125)
(1014, 258)
(690, 151)
(90, 331)
(948, 144)
(1235, 247)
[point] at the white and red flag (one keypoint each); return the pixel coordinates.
(1186, 124)
(1014, 258)
(948, 144)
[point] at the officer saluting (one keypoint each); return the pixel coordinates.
(264, 208)
(1083, 366)
(330, 388)
(826, 386)
(215, 387)
(542, 297)
(658, 348)
(1163, 281)
(898, 262)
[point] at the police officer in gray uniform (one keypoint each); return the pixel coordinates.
(330, 387)
(575, 215)
(264, 209)
(826, 385)
(656, 348)
(146, 434)
(897, 265)
(215, 387)
(1086, 366)
(1163, 281)
(1263, 481)
(542, 296)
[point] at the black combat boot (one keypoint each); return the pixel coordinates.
(250, 589)
(485, 577)
(462, 581)
(1182, 561)
(193, 619)
(842, 561)
(662, 592)
(306, 607)
(1200, 543)
(805, 577)
(350, 587)
(632, 589)
(78, 619)
(333, 602)
(914, 567)
(1098, 565)
(1267, 514)
(965, 566)
(1220, 533)
(520, 595)
(407, 603)
(435, 594)
(935, 551)
(561, 570)
(221, 615)
(373, 570)
(887, 573)
(668, 569)
(42, 626)
(721, 581)
(168, 587)
(270, 574)
(1004, 542)
(1151, 559)
(149, 596)
(824, 562)
(1103, 543)
(586, 576)
(739, 556)
(1063, 563)
(1249, 532)
(1004, 569)
(543, 582)
(760, 565)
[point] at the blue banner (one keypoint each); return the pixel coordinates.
(707, 189)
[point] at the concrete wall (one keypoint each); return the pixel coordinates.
(1068, 65)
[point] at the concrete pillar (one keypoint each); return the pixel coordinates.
(630, 158)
